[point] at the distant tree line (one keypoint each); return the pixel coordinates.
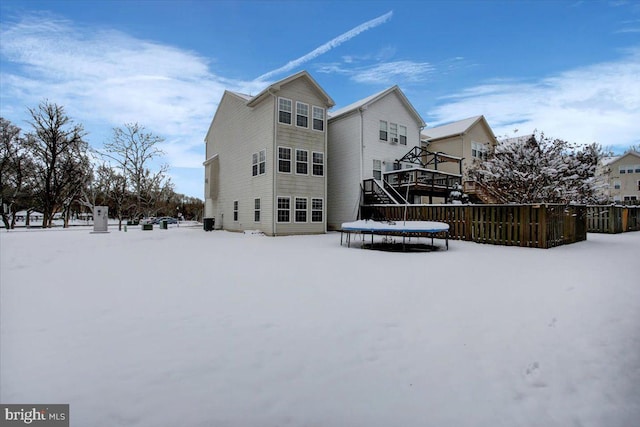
(53, 170)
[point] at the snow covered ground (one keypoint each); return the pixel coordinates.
(180, 327)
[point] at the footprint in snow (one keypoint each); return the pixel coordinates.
(533, 375)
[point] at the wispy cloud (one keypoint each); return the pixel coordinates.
(331, 44)
(106, 78)
(598, 103)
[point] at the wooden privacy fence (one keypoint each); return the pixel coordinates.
(613, 219)
(538, 226)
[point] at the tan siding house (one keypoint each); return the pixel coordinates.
(622, 174)
(365, 140)
(471, 139)
(265, 166)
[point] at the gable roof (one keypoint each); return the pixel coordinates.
(455, 128)
(610, 160)
(374, 98)
(274, 87)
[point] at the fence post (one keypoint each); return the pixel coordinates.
(543, 240)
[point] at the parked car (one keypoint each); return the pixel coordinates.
(169, 220)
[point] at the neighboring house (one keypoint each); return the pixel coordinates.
(622, 174)
(266, 155)
(369, 141)
(471, 140)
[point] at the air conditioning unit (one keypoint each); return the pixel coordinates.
(394, 140)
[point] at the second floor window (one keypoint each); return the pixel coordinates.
(284, 111)
(393, 133)
(318, 164)
(284, 159)
(259, 163)
(302, 162)
(479, 151)
(302, 115)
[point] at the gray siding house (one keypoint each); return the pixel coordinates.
(266, 159)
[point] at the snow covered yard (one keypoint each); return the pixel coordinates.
(180, 327)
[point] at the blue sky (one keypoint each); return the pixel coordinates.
(568, 68)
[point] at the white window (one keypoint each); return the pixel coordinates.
(393, 133)
(284, 111)
(302, 115)
(258, 163)
(235, 210)
(284, 159)
(256, 210)
(318, 164)
(616, 185)
(383, 131)
(284, 209)
(630, 198)
(402, 132)
(479, 151)
(630, 169)
(377, 169)
(302, 162)
(301, 209)
(622, 169)
(317, 212)
(637, 168)
(318, 118)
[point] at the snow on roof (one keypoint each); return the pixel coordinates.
(608, 160)
(450, 129)
(357, 104)
(241, 95)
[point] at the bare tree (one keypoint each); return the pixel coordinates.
(132, 151)
(16, 169)
(59, 151)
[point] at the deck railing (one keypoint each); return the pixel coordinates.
(539, 226)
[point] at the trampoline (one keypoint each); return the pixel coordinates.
(403, 229)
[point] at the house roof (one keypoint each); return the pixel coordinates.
(609, 160)
(455, 128)
(374, 98)
(274, 87)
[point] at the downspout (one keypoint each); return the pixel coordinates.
(274, 196)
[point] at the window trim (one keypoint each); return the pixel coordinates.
(284, 160)
(259, 163)
(313, 163)
(313, 118)
(300, 104)
(402, 135)
(278, 209)
(316, 210)
(280, 110)
(386, 131)
(374, 170)
(257, 210)
(306, 162)
(305, 210)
